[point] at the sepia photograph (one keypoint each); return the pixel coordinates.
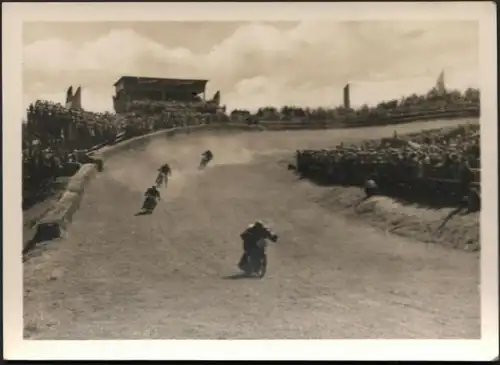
(226, 175)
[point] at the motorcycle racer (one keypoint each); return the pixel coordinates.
(163, 172)
(207, 157)
(251, 237)
(152, 195)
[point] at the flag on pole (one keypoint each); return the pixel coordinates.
(77, 99)
(216, 98)
(69, 97)
(440, 86)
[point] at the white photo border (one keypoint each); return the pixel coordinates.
(15, 348)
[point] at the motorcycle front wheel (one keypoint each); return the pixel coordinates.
(248, 267)
(263, 267)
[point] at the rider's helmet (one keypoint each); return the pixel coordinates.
(370, 184)
(258, 224)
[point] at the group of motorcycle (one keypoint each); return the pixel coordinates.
(152, 194)
(255, 238)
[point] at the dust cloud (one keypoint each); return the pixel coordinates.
(183, 154)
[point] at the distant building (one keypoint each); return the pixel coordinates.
(131, 88)
(347, 97)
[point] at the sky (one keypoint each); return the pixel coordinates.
(253, 64)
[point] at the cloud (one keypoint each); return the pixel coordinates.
(260, 64)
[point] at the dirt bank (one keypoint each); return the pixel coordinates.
(408, 220)
(448, 226)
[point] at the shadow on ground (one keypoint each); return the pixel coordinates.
(239, 276)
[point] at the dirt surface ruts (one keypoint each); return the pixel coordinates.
(171, 274)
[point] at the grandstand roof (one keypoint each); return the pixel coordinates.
(196, 84)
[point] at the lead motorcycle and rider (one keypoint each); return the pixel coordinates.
(254, 259)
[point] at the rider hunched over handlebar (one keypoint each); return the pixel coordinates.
(251, 237)
(207, 156)
(152, 195)
(163, 173)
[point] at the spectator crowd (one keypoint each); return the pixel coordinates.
(438, 166)
(148, 116)
(55, 136)
(432, 102)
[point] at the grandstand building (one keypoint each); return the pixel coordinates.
(131, 88)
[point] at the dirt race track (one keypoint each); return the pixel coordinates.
(172, 274)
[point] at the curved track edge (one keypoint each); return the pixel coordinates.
(53, 224)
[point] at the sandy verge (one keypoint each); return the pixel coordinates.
(409, 220)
